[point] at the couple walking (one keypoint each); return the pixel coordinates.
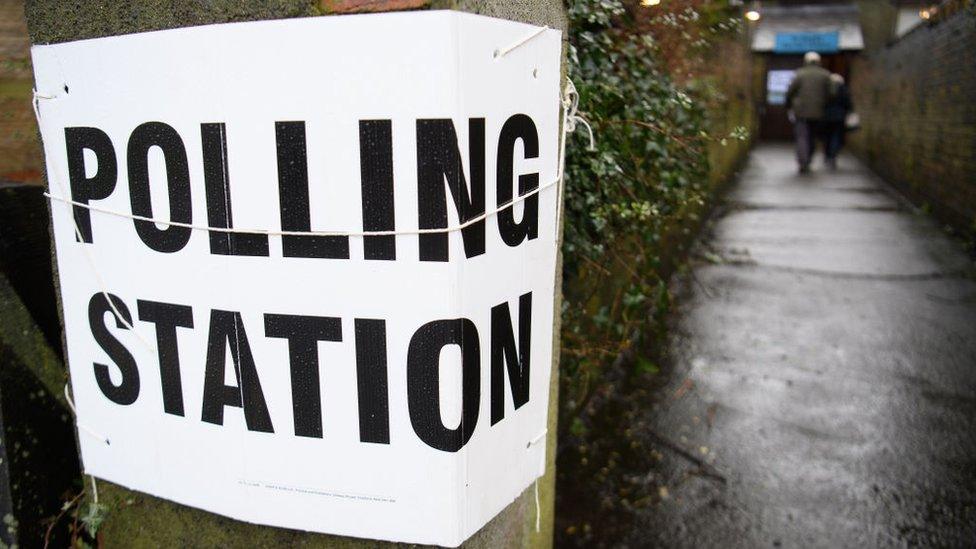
(819, 104)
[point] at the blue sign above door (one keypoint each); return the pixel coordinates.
(802, 42)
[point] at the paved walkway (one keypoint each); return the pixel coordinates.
(825, 365)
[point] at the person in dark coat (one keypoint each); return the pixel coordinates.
(806, 100)
(835, 118)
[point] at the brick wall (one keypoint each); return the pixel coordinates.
(731, 68)
(20, 149)
(917, 101)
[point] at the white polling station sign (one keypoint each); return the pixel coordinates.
(235, 341)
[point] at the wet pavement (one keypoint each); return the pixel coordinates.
(822, 387)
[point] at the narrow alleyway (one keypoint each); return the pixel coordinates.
(824, 365)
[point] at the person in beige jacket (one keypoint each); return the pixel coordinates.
(806, 100)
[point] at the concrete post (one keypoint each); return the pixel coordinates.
(138, 520)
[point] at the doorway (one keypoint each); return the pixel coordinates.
(774, 124)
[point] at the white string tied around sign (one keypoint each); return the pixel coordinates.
(103, 288)
(538, 507)
(502, 52)
(71, 405)
(571, 120)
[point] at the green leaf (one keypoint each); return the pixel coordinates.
(94, 517)
(645, 366)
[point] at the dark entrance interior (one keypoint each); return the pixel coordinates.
(774, 123)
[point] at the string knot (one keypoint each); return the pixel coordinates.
(572, 117)
(36, 103)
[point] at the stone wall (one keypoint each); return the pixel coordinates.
(917, 100)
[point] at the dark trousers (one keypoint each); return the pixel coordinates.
(807, 131)
(836, 131)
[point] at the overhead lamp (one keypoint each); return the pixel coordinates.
(753, 15)
(649, 3)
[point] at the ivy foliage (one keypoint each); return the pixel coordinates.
(645, 179)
